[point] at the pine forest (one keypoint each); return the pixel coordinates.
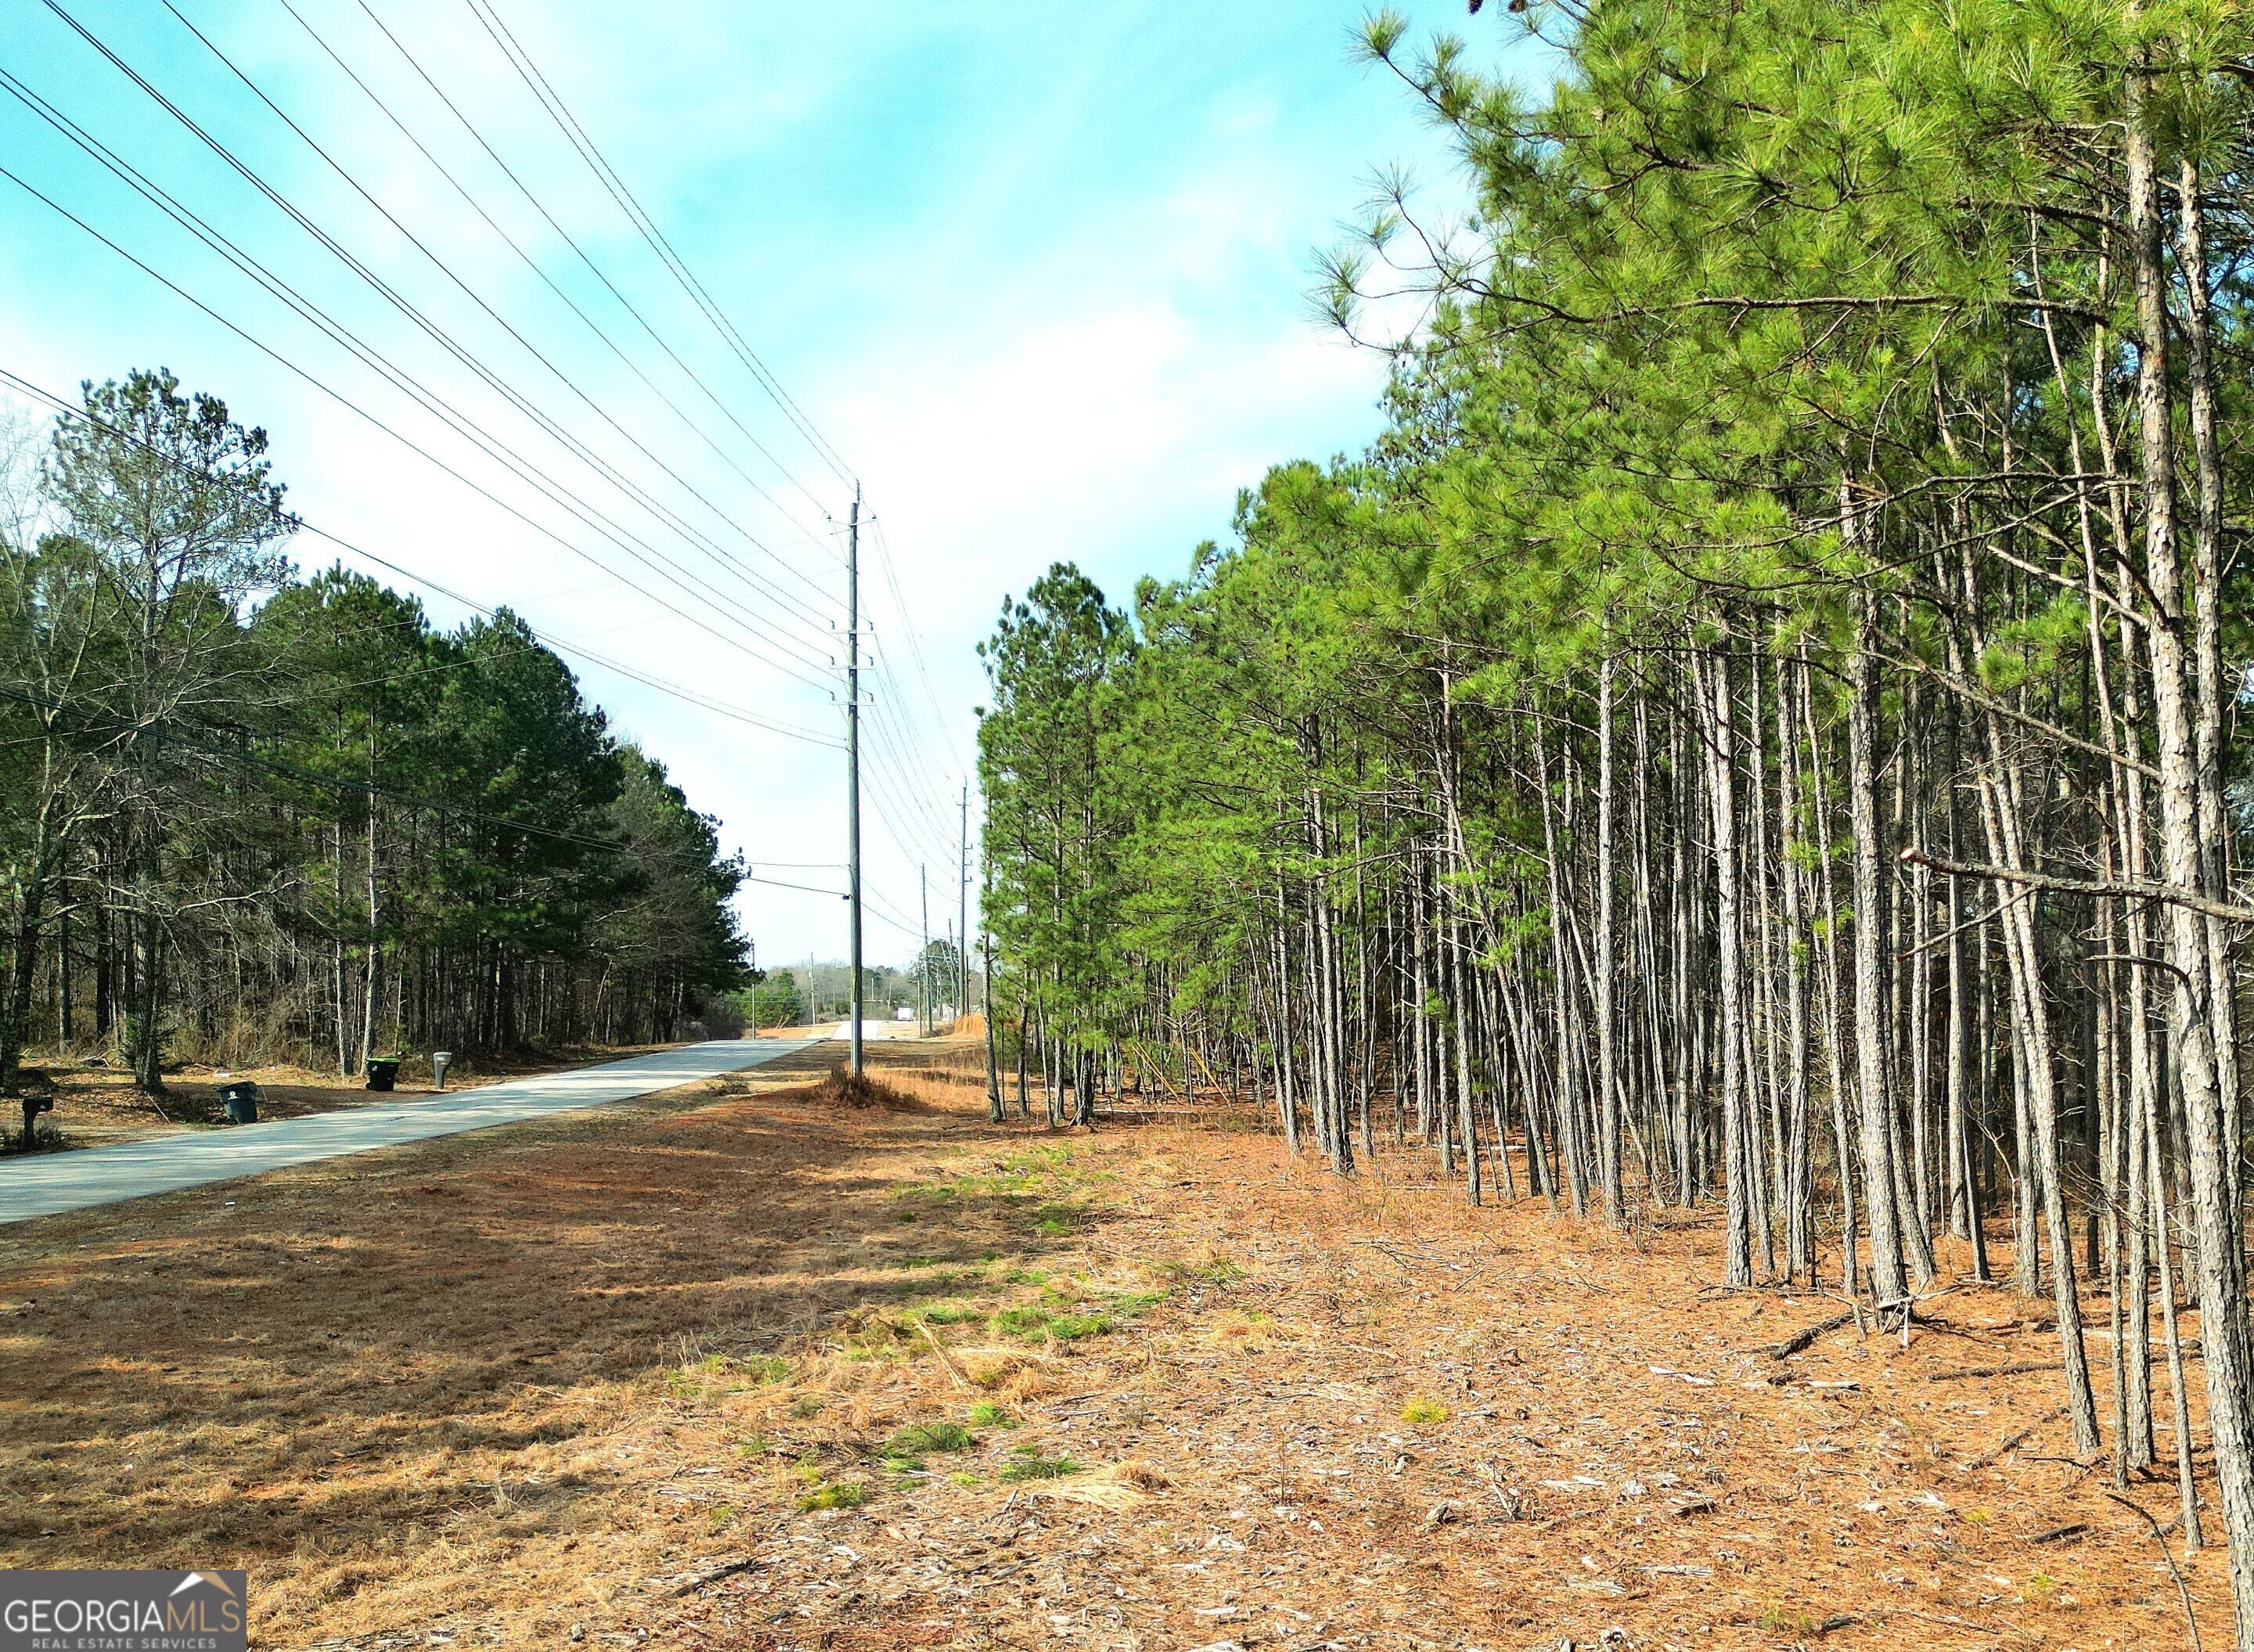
(1760, 730)
(251, 815)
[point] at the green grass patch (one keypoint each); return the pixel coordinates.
(953, 1313)
(989, 1414)
(1026, 1463)
(1035, 1324)
(849, 1494)
(1070, 1327)
(720, 1373)
(906, 1451)
(1422, 1411)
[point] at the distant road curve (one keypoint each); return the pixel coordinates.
(47, 1184)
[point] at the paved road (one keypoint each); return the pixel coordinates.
(872, 1030)
(48, 1183)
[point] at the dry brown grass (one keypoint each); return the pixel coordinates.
(842, 1088)
(684, 1369)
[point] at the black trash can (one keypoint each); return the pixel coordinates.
(241, 1100)
(383, 1074)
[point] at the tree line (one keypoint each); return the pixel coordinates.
(248, 815)
(1758, 731)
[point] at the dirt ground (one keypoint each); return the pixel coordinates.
(737, 1367)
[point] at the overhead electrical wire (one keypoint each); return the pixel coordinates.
(901, 748)
(911, 803)
(895, 818)
(772, 725)
(909, 930)
(911, 740)
(632, 366)
(891, 740)
(461, 423)
(617, 478)
(569, 239)
(919, 815)
(890, 571)
(413, 446)
(557, 492)
(885, 911)
(646, 227)
(166, 730)
(891, 813)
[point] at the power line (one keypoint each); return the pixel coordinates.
(412, 445)
(887, 752)
(911, 742)
(616, 186)
(913, 814)
(891, 812)
(901, 606)
(533, 265)
(634, 546)
(430, 401)
(788, 730)
(897, 729)
(913, 774)
(885, 911)
(593, 268)
(437, 263)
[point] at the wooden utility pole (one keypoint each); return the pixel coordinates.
(963, 912)
(853, 757)
(993, 1046)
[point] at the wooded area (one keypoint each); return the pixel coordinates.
(1759, 728)
(248, 817)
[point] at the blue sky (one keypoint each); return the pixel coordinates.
(1038, 273)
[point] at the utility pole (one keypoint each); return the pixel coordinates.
(993, 1039)
(853, 752)
(962, 916)
(923, 958)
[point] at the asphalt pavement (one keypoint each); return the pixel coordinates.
(46, 1184)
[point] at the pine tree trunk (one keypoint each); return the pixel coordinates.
(2213, 1139)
